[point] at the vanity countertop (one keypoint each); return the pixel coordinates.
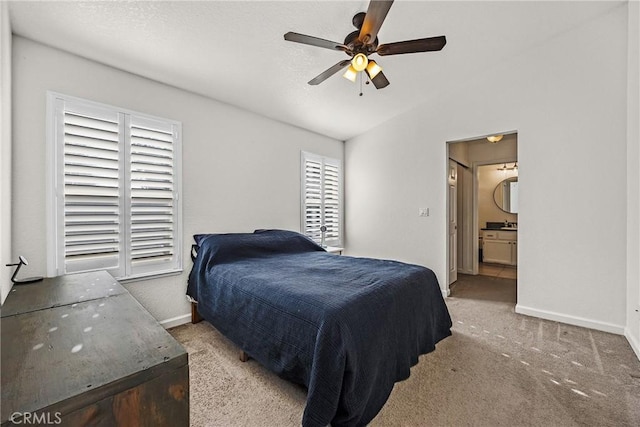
(500, 229)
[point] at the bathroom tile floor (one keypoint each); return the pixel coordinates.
(497, 270)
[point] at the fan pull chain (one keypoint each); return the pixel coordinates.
(360, 83)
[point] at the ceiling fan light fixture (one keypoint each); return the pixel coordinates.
(350, 74)
(373, 69)
(359, 62)
(359, 44)
(495, 138)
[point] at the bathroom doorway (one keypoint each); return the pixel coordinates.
(497, 213)
(487, 189)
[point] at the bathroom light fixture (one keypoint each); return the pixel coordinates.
(495, 138)
(504, 167)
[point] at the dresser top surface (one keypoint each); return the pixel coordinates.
(62, 290)
(82, 351)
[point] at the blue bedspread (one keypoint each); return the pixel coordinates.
(347, 328)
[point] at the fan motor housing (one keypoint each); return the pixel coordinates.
(358, 19)
(359, 47)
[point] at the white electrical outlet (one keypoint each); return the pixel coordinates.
(423, 211)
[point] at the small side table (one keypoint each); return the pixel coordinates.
(334, 250)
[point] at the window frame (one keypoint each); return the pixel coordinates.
(304, 156)
(55, 212)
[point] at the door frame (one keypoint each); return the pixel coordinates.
(474, 203)
(465, 226)
(476, 226)
(452, 212)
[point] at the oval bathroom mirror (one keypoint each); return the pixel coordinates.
(506, 195)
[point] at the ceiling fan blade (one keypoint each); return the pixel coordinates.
(329, 72)
(429, 44)
(380, 81)
(373, 20)
(314, 41)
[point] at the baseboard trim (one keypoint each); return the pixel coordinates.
(176, 321)
(635, 345)
(445, 292)
(571, 320)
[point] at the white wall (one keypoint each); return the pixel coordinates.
(566, 98)
(5, 152)
(240, 171)
(633, 179)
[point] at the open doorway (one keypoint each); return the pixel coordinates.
(483, 217)
(497, 213)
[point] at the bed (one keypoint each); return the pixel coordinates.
(346, 328)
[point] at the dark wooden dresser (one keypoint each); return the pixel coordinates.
(80, 350)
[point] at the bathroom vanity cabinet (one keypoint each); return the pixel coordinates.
(500, 246)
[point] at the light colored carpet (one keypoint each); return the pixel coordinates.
(497, 369)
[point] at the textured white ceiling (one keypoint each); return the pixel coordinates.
(234, 51)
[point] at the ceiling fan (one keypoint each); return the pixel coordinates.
(363, 42)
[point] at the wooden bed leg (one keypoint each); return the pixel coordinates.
(243, 356)
(195, 316)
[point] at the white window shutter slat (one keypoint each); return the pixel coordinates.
(114, 191)
(313, 198)
(153, 210)
(321, 198)
(331, 200)
(91, 229)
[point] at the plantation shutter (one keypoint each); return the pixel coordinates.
(321, 198)
(312, 210)
(331, 201)
(92, 232)
(152, 194)
(114, 193)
